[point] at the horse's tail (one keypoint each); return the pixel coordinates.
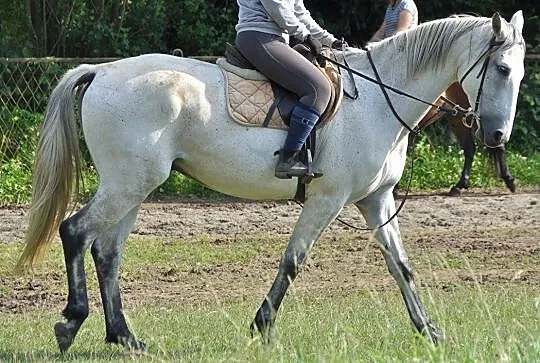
(57, 164)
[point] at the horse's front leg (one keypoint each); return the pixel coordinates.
(377, 209)
(317, 214)
(498, 155)
(107, 253)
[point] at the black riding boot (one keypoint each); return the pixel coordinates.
(303, 119)
(289, 165)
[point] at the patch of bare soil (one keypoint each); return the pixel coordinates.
(486, 238)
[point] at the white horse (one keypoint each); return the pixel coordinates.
(144, 115)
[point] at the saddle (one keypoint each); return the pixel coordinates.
(254, 100)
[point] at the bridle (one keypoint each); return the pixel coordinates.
(470, 117)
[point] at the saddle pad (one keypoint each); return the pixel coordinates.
(249, 100)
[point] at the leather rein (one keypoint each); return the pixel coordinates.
(470, 116)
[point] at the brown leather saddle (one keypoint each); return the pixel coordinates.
(285, 100)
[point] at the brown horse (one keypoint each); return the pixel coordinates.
(465, 137)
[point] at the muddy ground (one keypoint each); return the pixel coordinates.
(490, 237)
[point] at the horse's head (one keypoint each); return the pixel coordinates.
(492, 80)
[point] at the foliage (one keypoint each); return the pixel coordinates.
(19, 134)
(201, 27)
(135, 27)
(526, 132)
(439, 167)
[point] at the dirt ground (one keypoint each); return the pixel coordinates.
(499, 231)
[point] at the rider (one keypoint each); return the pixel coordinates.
(263, 30)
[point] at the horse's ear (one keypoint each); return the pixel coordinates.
(517, 20)
(499, 26)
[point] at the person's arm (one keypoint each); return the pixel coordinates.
(283, 13)
(405, 19)
(379, 34)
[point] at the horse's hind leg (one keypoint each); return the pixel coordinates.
(78, 232)
(107, 253)
(377, 209)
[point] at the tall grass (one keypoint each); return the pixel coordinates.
(483, 321)
(481, 325)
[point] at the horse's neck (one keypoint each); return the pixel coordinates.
(426, 85)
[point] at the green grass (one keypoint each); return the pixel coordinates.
(435, 168)
(440, 168)
(483, 322)
(481, 325)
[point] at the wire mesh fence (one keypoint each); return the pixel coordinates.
(25, 86)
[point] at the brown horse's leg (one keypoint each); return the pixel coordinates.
(107, 253)
(498, 157)
(466, 141)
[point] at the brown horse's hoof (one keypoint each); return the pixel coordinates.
(454, 192)
(511, 185)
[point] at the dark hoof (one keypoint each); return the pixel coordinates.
(454, 192)
(130, 343)
(433, 333)
(64, 336)
(265, 331)
(511, 185)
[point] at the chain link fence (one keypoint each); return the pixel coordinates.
(25, 86)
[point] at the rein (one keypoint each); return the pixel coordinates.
(454, 110)
(470, 116)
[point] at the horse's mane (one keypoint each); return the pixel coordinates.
(428, 45)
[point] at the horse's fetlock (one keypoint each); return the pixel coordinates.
(78, 312)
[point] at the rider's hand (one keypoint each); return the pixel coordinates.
(313, 44)
(339, 44)
(294, 41)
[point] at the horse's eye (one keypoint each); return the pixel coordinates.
(504, 70)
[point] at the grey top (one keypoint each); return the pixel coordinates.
(280, 17)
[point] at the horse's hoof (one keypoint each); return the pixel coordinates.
(511, 185)
(434, 333)
(64, 336)
(133, 345)
(264, 331)
(454, 192)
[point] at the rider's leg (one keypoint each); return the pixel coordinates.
(285, 66)
(303, 118)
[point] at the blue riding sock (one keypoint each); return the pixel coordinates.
(303, 118)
